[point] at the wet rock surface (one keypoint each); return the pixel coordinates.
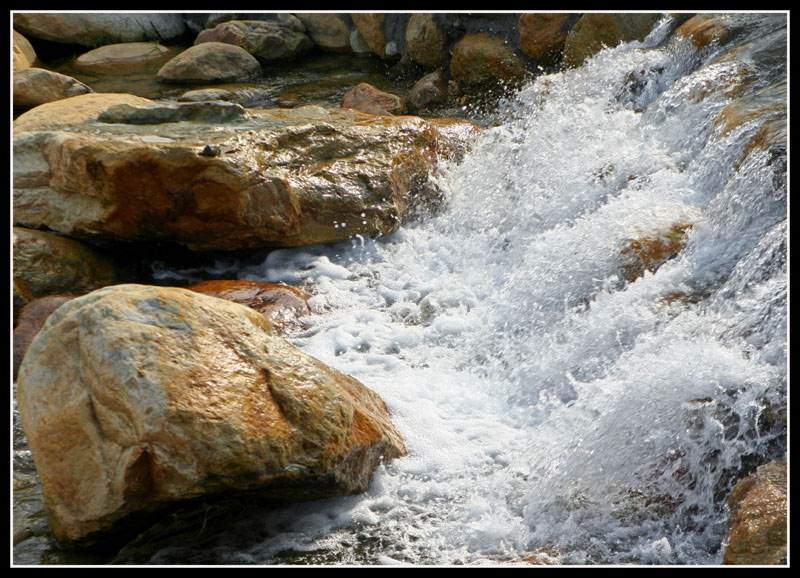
(139, 182)
(133, 397)
(759, 518)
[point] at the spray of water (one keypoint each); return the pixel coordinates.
(551, 403)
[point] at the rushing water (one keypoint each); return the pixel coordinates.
(550, 406)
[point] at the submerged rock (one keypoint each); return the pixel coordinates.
(282, 177)
(648, 253)
(133, 398)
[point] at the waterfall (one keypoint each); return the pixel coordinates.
(552, 403)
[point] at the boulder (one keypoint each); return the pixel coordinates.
(267, 177)
(281, 304)
(595, 31)
(35, 86)
(367, 98)
(134, 398)
(542, 36)
(268, 41)
(485, 59)
(23, 53)
(210, 62)
(113, 57)
(371, 27)
(426, 42)
(49, 264)
(329, 32)
(758, 518)
(97, 28)
(430, 89)
(31, 320)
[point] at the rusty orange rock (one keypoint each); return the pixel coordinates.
(649, 253)
(758, 527)
(281, 304)
(134, 397)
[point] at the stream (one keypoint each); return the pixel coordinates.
(554, 409)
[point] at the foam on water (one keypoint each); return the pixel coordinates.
(549, 405)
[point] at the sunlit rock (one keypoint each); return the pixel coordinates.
(702, 29)
(23, 53)
(758, 520)
(135, 397)
(74, 110)
(281, 304)
(35, 86)
(210, 62)
(114, 57)
(272, 177)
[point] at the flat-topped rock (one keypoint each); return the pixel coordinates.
(258, 178)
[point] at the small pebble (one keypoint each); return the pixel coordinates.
(210, 151)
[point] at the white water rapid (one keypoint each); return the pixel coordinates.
(551, 407)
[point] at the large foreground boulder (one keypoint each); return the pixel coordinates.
(214, 176)
(135, 397)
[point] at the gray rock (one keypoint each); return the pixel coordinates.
(97, 28)
(206, 112)
(268, 41)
